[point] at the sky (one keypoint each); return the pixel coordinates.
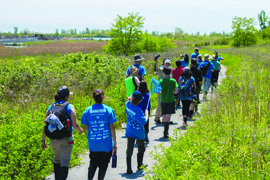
(192, 16)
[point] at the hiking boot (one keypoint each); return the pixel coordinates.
(129, 172)
(185, 123)
(171, 122)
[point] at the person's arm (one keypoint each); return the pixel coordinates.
(112, 130)
(156, 65)
(43, 140)
(175, 91)
(73, 120)
(146, 114)
(137, 81)
(219, 67)
(86, 127)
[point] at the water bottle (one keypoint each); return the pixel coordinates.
(114, 160)
(70, 140)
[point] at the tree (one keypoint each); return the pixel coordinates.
(126, 33)
(16, 30)
(179, 33)
(262, 19)
(244, 32)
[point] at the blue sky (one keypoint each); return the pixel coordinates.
(160, 15)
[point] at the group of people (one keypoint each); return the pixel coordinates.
(182, 83)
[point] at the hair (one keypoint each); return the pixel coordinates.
(178, 63)
(186, 74)
(182, 55)
(200, 58)
(196, 49)
(166, 71)
(143, 87)
(186, 58)
(57, 98)
(97, 95)
(194, 61)
(133, 70)
(135, 102)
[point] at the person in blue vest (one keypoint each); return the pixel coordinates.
(99, 121)
(206, 78)
(138, 63)
(136, 119)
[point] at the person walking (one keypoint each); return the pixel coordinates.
(166, 64)
(145, 105)
(215, 74)
(195, 54)
(198, 81)
(138, 63)
(176, 73)
(99, 121)
(185, 61)
(132, 81)
(59, 129)
(186, 91)
(136, 119)
(206, 69)
(169, 88)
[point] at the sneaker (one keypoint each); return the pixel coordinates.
(129, 172)
(166, 137)
(184, 123)
(171, 122)
(157, 121)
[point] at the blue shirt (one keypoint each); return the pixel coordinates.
(219, 58)
(143, 104)
(193, 55)
(140, 67)
(184, 64)
(98, 118)
(216, 65)
(191, 82)
(135, 121)
(208, 74)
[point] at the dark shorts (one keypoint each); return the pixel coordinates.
(100, 159)
(168, 108)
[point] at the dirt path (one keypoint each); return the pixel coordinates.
(155, 137)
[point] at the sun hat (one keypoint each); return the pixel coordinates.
(137, 95)
(138, 57)
(63, 91)
(206, 57)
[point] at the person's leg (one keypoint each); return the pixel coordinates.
(65, 156)
(141, 150)
(129, 152)
(191, 109)
(56, 151)
(158, 110)
(166, 126)
(146, 128)
(94, 159)
(185, 110)
(103, 164)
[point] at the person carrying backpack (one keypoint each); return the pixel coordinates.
(137, 63)
(215, 74)
(99, 121)
(176, 73)
(132, 81)
(186, 90)
(196, 54)
(185, 61)
(206, 69)
(198, 81)
(60, 120)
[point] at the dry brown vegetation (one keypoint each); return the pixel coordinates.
(50, 48)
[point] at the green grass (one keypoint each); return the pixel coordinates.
(231, 139)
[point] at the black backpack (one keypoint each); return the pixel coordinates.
(59, 111)
(204, 69)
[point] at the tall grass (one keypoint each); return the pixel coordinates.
(231, 139)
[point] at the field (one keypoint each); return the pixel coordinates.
(231, 142)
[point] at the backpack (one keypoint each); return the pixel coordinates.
(58, 111)
(204, 69)
(185, 88)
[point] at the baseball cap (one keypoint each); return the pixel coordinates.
(138, 57)
(137, 95)
(167, 60)
(206, 57)
(186, 68)
(63, 91)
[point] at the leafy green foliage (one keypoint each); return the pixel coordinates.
(262, 19)
(266, 33)
(231, 138)
(244, 32)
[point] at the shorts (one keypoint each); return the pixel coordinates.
(206, 84)
(168, 108)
